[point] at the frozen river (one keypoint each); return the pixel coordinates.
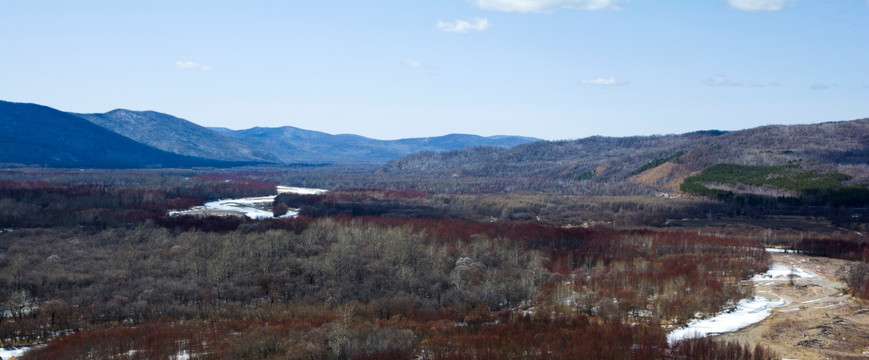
(252, 207)
(747, 311)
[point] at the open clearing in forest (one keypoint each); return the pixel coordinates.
(820, 319)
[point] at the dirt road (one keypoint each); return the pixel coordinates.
(819, 321)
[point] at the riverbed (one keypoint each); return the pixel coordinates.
(253, 207)
(747, 311)
(820, 320)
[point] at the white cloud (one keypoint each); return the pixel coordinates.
(432, 69)
(412, 63)
(759, 5)
(191, 65)
(819, 86)
(721, 80)
(608, 81)
(525, 6)
(462, 26)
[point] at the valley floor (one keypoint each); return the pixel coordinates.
(819, 321)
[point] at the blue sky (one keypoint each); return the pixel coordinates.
(553, 69)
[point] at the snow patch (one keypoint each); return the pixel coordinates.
(778, 272)
(10, 352)
(747, 312)
(243, 206)
(786, 251)
(181, 355)
(300, 190)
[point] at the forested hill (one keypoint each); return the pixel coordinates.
(42, 136)
(655, 163)
(293, 145)
(287, 144)
(37, 135)
(829, 143)
(169, 133)
(584, 159)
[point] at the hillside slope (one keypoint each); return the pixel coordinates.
(584, 159)
(656, 163)
(172, 134)
(32, 134)
(293, 145)
(829, 143)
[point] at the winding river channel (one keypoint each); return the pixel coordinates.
(253, 207)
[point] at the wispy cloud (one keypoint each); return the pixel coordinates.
(721, 80)
(412, 64)
(463, 26)
(819, 86)
(604, 81)
(427, 68)
(759, 5)
(192, 65)
(526, 6)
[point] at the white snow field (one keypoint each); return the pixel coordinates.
(778, 272)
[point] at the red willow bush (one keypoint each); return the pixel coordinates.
(484, 335)
(413, 285)
(44, 204)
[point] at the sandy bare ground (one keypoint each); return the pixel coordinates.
(819, 321)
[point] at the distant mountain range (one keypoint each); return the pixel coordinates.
(35, 135)
(42, 136)
(294, 145)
